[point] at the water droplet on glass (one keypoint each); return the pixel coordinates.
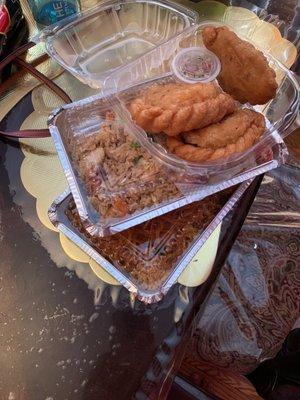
(112, 329)
(93, 317)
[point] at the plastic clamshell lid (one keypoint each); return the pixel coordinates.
(97, 42)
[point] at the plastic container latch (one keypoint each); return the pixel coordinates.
(196, 64)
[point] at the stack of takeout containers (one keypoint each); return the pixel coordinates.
(141, 211)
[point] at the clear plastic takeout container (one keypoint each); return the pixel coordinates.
(116, 178)
(96, 42)
(121, 175)
(148, 259)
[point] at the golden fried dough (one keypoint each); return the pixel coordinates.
(234, 134)
(178, 107)
(245, 72)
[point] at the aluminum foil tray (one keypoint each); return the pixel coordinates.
(149, 258)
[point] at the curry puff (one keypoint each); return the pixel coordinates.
(174, 108)
(245, 73)
(234, 134)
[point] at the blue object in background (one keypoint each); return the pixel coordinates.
(47, 12)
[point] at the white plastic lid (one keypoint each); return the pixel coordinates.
(196, 64)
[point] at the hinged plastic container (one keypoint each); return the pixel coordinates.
(93, 44)
(148, 259)
(120, 178)
(122, 175)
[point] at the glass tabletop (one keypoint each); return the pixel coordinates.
(65, 333)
